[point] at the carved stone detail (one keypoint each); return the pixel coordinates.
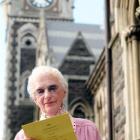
(137, 14)
(134, 32)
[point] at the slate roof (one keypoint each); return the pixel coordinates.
(61, 35)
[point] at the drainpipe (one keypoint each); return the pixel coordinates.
(108, 69)
(107, 21)
(109, 91)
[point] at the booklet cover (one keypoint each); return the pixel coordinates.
(55, 128)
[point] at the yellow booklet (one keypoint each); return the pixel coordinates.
(55, 128)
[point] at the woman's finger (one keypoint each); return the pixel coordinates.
(26, 138)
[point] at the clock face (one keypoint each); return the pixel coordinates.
(41, 3)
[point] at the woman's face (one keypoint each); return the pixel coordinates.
(48, 94)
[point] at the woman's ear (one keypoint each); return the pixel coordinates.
(34, 100)
(64, 93)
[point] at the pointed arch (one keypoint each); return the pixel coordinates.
(28, 28)
(27, 35)
(80, 108)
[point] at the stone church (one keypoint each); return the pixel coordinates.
(44, 32)
(115, 81)
(79, 100)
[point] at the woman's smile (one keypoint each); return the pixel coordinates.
(50, 103)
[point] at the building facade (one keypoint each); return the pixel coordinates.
(76, 67)
(115, 81)
(34, 37)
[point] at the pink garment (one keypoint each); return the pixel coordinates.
(83, 128)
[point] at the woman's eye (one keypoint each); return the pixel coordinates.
(40, 91)
(52, 88)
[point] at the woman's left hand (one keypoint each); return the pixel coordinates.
(26, 138)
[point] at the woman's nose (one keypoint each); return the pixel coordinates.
(46, 94)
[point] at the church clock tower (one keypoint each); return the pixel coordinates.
(22, 37)
(55, 9)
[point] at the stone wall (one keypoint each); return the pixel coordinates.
(101, 109)
(119, 115)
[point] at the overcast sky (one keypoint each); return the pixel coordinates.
(86, 11)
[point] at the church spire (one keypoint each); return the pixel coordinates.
(42, 53)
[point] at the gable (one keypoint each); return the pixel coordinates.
(79, 47)
(78, 59)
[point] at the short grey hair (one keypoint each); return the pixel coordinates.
(46, 70)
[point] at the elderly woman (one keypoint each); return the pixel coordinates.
(47, 87)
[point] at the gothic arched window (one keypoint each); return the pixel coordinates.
(79, 112)
(26, 94)
(28, 40)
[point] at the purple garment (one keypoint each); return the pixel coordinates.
(83, 128)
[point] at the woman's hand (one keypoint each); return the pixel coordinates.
(26, 138)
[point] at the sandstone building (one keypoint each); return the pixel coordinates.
(115, 81)
(38, 33)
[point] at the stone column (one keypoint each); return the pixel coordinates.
(134, 65)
